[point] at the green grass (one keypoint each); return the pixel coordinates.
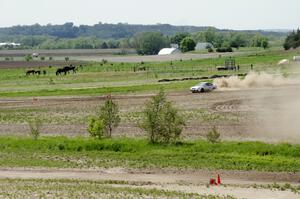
(95, 78)
(64, 152)
(101, 90)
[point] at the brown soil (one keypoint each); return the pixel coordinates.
(234, 112)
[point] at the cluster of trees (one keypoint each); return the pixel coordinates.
(160, 120)
(184, 41)
(47, 42)
(131, 36)
(226, 40)
(149, 43)
(292, 40)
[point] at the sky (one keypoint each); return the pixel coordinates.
(226, 14)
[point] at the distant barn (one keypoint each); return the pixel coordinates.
(169, 51)
(203, 45)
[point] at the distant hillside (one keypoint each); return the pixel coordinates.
(108, 31)
(101, 31)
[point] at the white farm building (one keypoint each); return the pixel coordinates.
(169, 51)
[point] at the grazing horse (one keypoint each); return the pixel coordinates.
(66, 70)
(29, 72)
(38, 72)
(33, 72)
(59, 71)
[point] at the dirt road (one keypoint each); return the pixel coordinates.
(235, 183)
(248, 114)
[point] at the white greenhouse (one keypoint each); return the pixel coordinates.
(169, 51)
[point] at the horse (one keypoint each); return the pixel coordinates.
(29, 72)
(38, 72)
(59, 71)
(66, 70)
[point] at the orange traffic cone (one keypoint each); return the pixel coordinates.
(219, 180)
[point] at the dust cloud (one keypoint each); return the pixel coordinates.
(274, 104)
(253, 80)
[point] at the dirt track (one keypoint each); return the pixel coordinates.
(236, 183)
(238, 114)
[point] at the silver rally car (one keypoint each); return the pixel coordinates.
(203, 87)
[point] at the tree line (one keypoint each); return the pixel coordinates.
(292, 40)
(121, 35)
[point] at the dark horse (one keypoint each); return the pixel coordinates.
(33, 72)
(66, 70)
(29, 72)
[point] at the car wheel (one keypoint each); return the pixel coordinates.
(202, 90)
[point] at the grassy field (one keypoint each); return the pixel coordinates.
(97, 78)
(61, 152)
(87, 189)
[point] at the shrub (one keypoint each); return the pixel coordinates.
(67, 59)
(95, 128)
(161, 120)
(35, 128)
(224, 49)
(210, 50)
(28, 57)
(213, 135)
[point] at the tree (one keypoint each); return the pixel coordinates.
(109, 113)
(28, 57)
(292, 40)
(104, 45)
(149, 43)
(187, 44)
(108, 118)
(176, 39)
(265, 43)
(161, 120)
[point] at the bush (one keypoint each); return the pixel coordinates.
(96, 128)
(213, 136)
(210, 50)
(161, 120)
(35, 128)
(224, 49)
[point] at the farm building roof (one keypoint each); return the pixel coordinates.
(169, 51)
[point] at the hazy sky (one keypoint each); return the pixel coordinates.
(232, 14)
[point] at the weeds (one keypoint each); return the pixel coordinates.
(35, 126)
(213, 135)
